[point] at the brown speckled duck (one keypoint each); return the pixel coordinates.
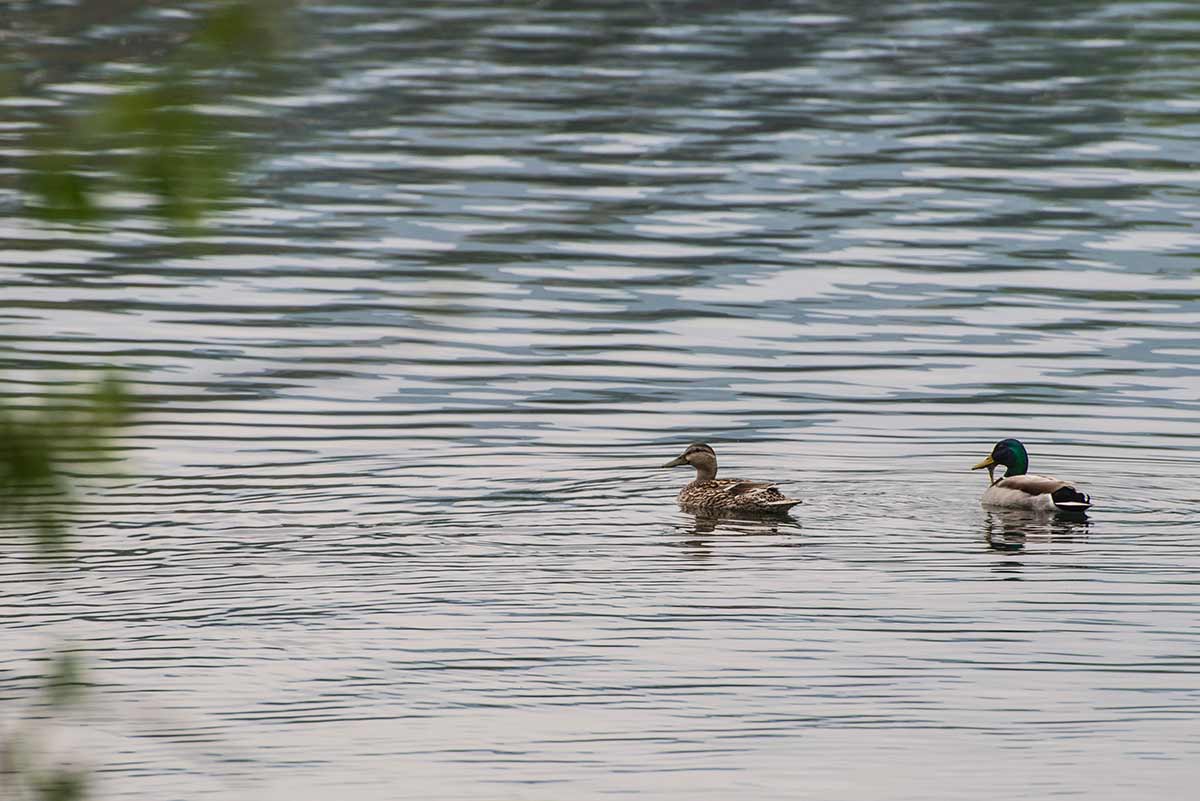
(709, 494)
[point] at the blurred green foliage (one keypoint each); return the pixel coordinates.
(37, 445)
(152, 135)
(24, 773)
(65, 682)
(63, 785)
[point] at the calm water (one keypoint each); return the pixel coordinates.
(393, 527)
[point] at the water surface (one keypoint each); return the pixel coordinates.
(393, 526)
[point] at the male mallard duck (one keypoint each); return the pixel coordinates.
(1019, 489)
(711, 494)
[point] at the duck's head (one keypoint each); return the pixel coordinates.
(699, 456)
(1010, 453)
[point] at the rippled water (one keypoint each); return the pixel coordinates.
(394, 527)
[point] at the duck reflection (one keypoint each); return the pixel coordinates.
(694, 527)
(1010, 529)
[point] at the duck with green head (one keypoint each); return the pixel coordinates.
(1018, 488)
(709, 494)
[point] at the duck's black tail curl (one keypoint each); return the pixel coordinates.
(1071, 499)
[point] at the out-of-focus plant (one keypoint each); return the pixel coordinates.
(39, 446)
(154, 135)
(26, 769)
(43, 450)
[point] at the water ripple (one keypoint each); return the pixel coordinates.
(393, 516)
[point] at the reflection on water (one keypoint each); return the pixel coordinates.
(705, 537)
(1011, 529)
(736, 524)
(389, 523)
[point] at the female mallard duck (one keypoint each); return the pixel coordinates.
(1020, 489)
(711, 494)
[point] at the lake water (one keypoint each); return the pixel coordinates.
(393, 525)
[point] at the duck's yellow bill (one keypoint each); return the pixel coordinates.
(988, 462)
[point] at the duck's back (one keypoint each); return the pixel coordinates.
(1035, 492)
(734, 494)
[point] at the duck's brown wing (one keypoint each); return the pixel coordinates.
(1032, 485)
(740, 487)
(761, 494)
(1062, 493)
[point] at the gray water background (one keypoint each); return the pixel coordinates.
(392, 525)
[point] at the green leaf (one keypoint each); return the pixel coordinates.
(61, 785)
(39, 445)
(65, 684)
